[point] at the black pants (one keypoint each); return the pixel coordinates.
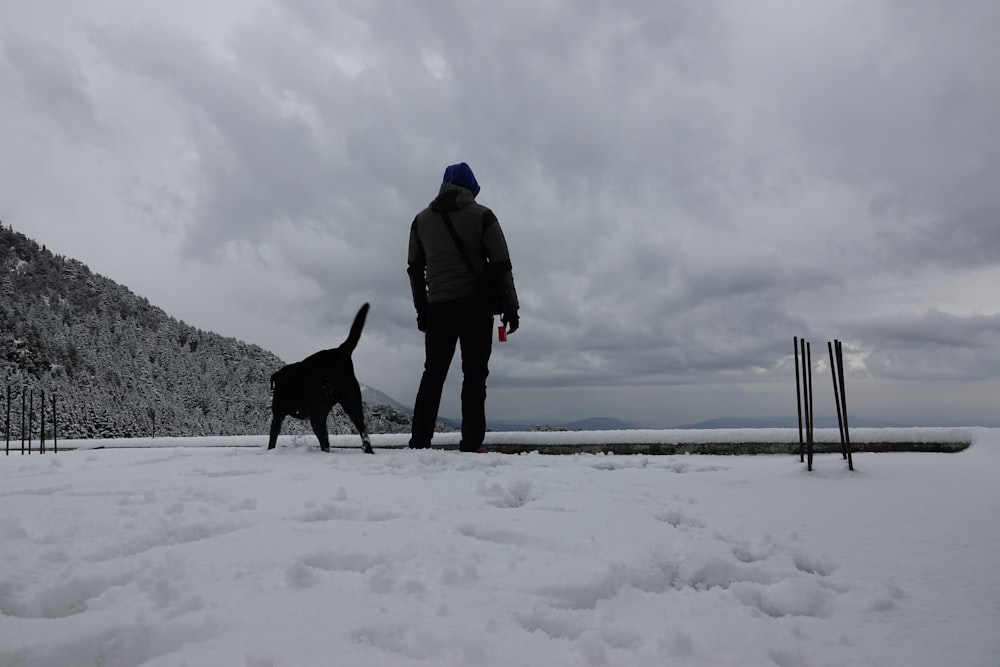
(449, 323)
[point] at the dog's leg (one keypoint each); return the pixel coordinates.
(275, 429)
(366, 442)
(318, 423)
(355, 409)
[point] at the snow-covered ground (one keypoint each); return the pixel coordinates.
(232, 555)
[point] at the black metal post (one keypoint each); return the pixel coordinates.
(22, 420)
(843, 403)
(834, 372)
(6, 429)
(55, 429)
(798, 395)
(41, 422)
(805, 387)
(809, 399)
(31, 416)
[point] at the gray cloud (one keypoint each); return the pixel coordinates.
(930, 346)
(51, 83)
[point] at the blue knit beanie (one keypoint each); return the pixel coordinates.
(461, 174)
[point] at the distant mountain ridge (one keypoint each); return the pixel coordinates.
(373, 396)
(124, 368)
(588, 424)
(785, 422)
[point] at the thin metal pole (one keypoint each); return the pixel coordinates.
(805, 389)
(7, 423)
(798, 395)
(843, 403)
(55, 429)
(22, 420)
(41, 422)
(836, 396)
(31, 416)
(809, 401)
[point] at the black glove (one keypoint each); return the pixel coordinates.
(422, 319)
(511, 321)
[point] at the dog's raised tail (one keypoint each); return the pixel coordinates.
(356, 327)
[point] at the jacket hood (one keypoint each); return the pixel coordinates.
(451, 198)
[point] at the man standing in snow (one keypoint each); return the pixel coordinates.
(444, 294)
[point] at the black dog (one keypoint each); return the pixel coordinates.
(309, 389)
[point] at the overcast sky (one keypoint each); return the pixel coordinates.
(684, 185)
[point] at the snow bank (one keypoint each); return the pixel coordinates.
(562, 438)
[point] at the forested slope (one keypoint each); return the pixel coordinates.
(120, 366)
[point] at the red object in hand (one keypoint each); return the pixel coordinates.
(502, 333)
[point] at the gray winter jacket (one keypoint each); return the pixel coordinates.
(435, 265)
